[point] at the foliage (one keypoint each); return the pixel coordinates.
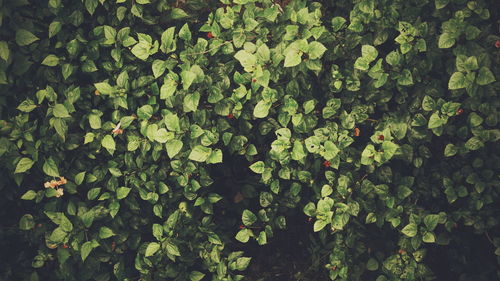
(136, 135)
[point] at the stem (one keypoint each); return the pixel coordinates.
(489, 238)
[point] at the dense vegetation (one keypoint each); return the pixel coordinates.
(249, 140)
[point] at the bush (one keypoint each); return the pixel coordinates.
(280, 140)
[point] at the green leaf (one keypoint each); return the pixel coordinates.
(104, 88)
(431, 221)
(58, 235)
(361, 63)
(319, 225)
(215, 157)
(27, 106)
(60, 111)
(428, 104)
(331, 150)
(86, 248)
(162, 135)
(457, 81)
(247, 60)
(152, 248)
(338, 23)
(372, 264)
(196, 276)
(261, 110)
(410, 230)
(485, 76)
(450, 108)
(474, 143)
(429, 237)
(158, 67)
(393, 58)
(312, 144)
(474, 119)
(178, 14)
(105, 232)
(50, 60)
(167, 40)
(172, 122)
(93, 193)
(26, 222)
(263, 53)
(108, 142)
(94, 121)
(326, 190)
(66, 224)
(173, 147)
(293, 58)
(141, 50)
(316, 50)
(168, 89)
(369, 52)
(441, 3)
(172, 249)
(4, 50)
(450, 150)
(50, 167)
(54, 28)
(389, 149)
(248, 218)
(187, 77)
(29, 195)
(406, 78)
(191, 102)
(185, 32)
(257, 167)
(145, 112)
(200, 153)
(79, 178)
(435, 121)
(298, 151)
(67, 69)
(242, 263)
(122, 192)
(446, 40)
(23, 165)
(25, 37)
(243, 235)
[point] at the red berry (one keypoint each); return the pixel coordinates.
(210, 35)
(327, 163)
(65, 246)
(356, 132)
(254, 80)
(242, 226)
(460, 111)
(381, 137)
(497, 44)
(230, 116)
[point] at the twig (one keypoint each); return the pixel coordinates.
(489, 238)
